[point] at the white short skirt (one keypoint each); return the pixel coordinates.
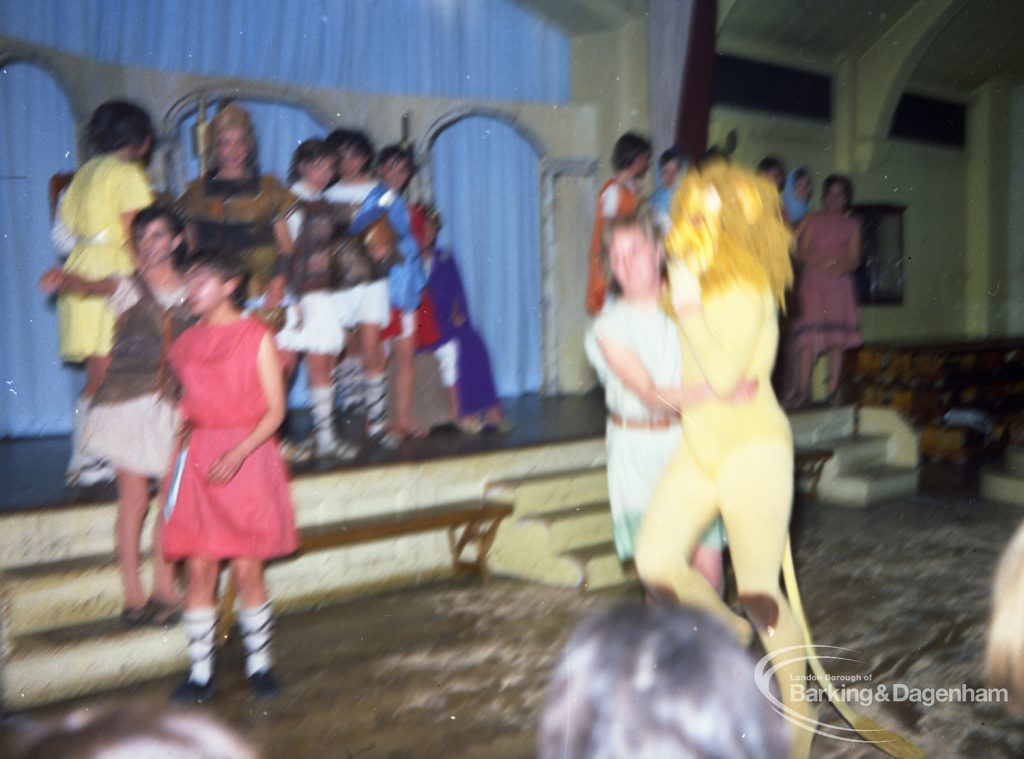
(135, 435)
(367, 303)
(313, 325)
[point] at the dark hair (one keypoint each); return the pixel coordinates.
(345, 139)
(628, 148)
(308, 151)
(648, 683)
(226, 264)
(170, 217)
(149, 214)
(671, 154)
(770, 164)
(395, 152)
(118, 124)
(839, 179)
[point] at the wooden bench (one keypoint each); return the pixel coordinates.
(467, 522)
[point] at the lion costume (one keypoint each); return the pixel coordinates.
(728, 269)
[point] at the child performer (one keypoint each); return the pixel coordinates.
(619, 197)
(406, 280)
(365, 306)
(97, 210)
(634, 348)
(461, 353)
(314, 326)
(133, 415)
(232, 501)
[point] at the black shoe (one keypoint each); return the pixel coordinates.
(191, 692)
(264, 685)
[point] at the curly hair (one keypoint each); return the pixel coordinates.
(233, 116)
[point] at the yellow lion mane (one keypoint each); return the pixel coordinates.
(727, 227)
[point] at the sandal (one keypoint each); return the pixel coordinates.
(161, 613)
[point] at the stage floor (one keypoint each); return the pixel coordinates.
(32, 470)
(459, 669)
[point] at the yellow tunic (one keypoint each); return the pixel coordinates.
(103, 189)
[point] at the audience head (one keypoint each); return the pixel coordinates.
(232, 146)
(136, 730)
(1004, 654)
(671, 163)
(773, 168)
(648, 683)
(119, 124)
(642, 682)
(315, 161)
(632, 153)
(395, 166)
(837, 194)
(158, 232)
(354, 150)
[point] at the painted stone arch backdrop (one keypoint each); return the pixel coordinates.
(486, 185)
(37, 140)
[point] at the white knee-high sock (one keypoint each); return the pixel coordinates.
(200, 627)
(323, 417)
(257, 627)
(81, 417)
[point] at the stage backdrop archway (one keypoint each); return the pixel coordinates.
(485, 175)
(37, 140)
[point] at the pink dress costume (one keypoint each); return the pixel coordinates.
(252, 515)
(826, 307)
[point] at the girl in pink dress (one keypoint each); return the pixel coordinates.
(828, 247)
(231, 500)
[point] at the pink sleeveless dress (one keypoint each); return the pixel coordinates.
(826, 315)
(251, 516)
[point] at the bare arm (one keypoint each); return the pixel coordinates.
(625, 365)
(227, 465)
(853, 253)
(57, 280)
(283, 236)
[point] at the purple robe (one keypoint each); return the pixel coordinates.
(474, 387)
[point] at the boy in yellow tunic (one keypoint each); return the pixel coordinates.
(98, 210)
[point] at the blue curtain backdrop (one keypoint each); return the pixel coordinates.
(486, 186)
(451, 48)
(37, 140)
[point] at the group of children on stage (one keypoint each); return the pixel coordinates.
(186, 386)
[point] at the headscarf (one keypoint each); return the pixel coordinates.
(795, 208)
